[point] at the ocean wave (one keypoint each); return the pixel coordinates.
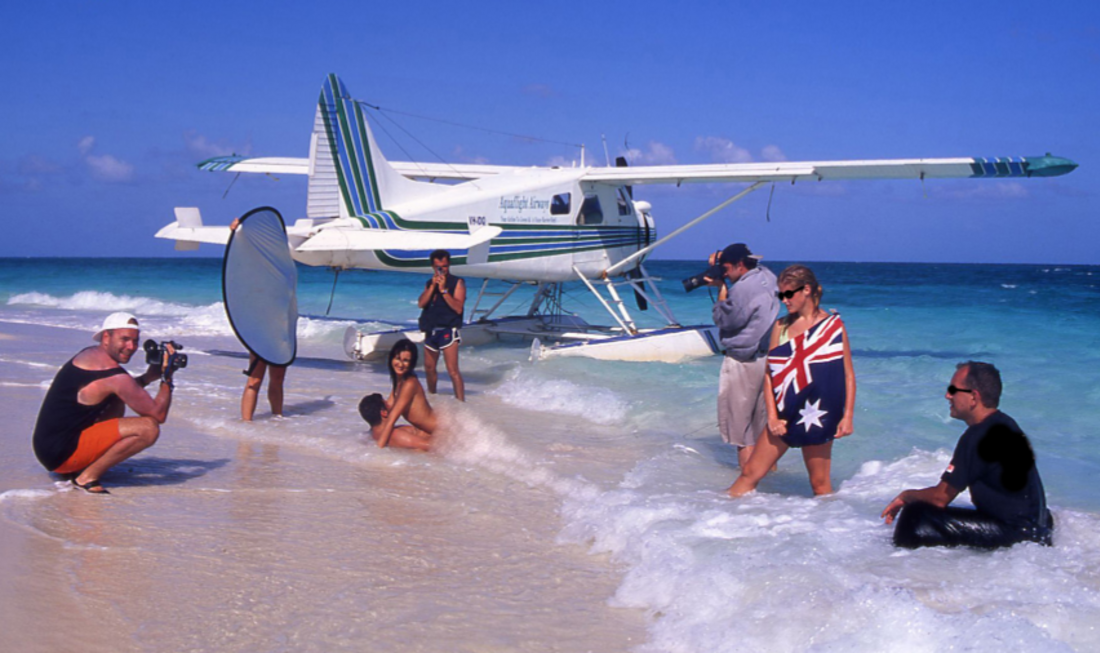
(468, 439)
(92, 300)
(704, 564)
(597, 405)
(158, 318)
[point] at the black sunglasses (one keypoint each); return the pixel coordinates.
(787, 294)
(951, 390)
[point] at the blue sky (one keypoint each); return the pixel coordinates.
(107, 107)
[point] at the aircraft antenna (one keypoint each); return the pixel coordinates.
(466, 126)
(419, 142)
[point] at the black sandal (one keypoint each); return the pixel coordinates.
(91, 487)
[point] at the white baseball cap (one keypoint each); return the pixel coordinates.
(120, 320)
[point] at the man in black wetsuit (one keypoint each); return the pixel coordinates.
(80, 431)
(442, 303)
(995, 460)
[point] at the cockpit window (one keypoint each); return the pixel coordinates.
(559, 205)
(624, 203)
(591, 213)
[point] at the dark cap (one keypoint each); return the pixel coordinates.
(736, 253)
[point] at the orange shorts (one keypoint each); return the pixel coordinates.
(94, 442)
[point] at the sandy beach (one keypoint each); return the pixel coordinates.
(224, 543)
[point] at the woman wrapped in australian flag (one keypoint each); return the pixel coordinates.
(810, 390)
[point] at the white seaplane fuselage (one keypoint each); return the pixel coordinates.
(532, 237)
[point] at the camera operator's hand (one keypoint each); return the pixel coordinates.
(169, 349)
(712, 260)
(166, 366)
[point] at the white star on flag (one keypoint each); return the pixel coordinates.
(812, 414)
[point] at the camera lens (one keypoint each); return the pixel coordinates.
(713, 272)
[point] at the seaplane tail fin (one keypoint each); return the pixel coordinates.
(348, 175)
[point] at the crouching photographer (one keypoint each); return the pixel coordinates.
(81, 431)
(744, 314)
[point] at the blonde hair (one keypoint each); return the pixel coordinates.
(800, 275)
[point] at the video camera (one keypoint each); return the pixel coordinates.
(713, 273)
(154, 355)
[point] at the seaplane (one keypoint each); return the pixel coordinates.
(532, 227)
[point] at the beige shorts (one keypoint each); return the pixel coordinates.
(742, 415)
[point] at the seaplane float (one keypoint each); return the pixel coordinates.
(533, 227)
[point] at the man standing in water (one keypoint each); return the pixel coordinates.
(81, 431)
(995, 460)
(744, 314)
(442, 303)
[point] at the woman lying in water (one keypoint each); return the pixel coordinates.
(407, 399)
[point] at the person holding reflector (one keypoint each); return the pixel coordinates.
(260, 289)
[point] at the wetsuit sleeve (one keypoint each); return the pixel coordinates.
(960, 473)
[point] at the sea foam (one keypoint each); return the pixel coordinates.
(529, 391)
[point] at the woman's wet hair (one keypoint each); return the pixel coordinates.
(799, 275)
(402, 345)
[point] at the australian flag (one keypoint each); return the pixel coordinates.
(807, 376)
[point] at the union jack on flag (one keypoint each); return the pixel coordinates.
(807, 375)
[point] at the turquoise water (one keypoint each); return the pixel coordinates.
(638, 470)
(909, 325)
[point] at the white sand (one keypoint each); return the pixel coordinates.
(281, 535)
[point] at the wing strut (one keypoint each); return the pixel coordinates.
(628, 324)
(645, 250)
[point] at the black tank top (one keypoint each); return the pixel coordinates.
(62, 418)
(437, 314)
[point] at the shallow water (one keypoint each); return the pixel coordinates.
(578, 505)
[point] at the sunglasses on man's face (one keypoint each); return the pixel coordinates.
(787, 294)
(951, 390)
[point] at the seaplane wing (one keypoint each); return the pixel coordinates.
(338, 239)
(277, 165)
(962, 167)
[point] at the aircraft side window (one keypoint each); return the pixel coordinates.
(559, 205)
(624, 203)
(591, 213)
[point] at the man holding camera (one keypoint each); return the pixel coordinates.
(81, 432)
(744, 314)
(442, 303)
